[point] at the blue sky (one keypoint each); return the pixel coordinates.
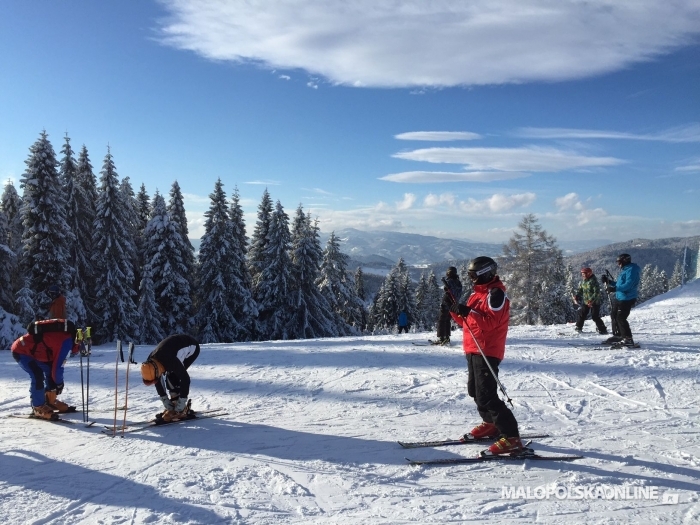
(421, 117)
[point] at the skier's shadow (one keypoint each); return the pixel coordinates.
(615, 474)
(232, 437)
(42, 474)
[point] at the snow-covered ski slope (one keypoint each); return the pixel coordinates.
(311, 434)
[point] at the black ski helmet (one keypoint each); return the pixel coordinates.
(451, 272)
(482, 270)
(624, 259)
(54, 291)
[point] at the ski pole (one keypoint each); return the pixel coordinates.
(116, 386)
(126, 391)
(88, 333)
(500, 385)
(79, 342)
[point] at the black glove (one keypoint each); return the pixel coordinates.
(610, 288)
(446, 288)
(604, 278)
(460, 309)
(59, 388)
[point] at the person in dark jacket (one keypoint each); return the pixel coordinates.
(403, 322)
(166, 368)
(588, 299)
(453, 292)
(626, 290)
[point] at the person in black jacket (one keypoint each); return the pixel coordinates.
(166, 368)
(453, 291)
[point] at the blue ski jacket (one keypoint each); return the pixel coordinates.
(627, 284)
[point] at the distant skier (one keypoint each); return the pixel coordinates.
(166, 368)
(626, 291)
(403, 322)
(484, 321)
(453, 291)
(41, 353)
(588, 298)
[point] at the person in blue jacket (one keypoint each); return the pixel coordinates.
(626, 290)
(403, 322)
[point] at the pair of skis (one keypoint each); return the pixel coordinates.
(525, 454)
(158, 422)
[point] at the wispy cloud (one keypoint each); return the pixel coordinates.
(438, 136)
(409, 199)
(509, 159)
(688, 168)
(416, 43)
(430, 177)
(263, 182)
(688, 133)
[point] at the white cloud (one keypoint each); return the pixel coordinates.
(438, 136)
(408, 201)
(263, 182)
(529, 158)
(431, 177)
(689, 133)
(431, 200)
(688, 168)
(415, 43)
(570, 201)
(497, 203)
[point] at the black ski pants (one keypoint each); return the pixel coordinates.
(444, 327)
(595, 315)
(619, 314)
(482, 386)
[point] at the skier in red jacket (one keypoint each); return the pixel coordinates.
(41, 353)
(484, 321)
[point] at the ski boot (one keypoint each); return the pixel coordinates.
(44, 412)
(505, 445)
(57, 404)
(482, 430)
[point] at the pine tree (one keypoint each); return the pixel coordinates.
(46, 234)
(79, 216)
(677, 276)
(406, 298)
(337, 286)
(258, 243)
(274, 284)
(176, 210)
(163, 255)
(82, 215)
(114, 246)
(393, 296)
(150, 319)
(11, 205)
(531, 256)
(7, 262)
(129, 205)
(214, 320)
(311, 315)
(241, 303)
(361, 296)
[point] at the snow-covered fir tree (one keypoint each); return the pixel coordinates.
(337, 286)
(80, 214)
(81, 210)
(467, 285)
(241, 302)
(530, 257)
(390, 298)
(214, 320)
(7, 261)
(274, 285)
(176, 210)
(677, 276)
(11, 205)
(652, 282)
(406, 298)
(150, 320)
(312, 315)
(257, 260)
(362, 296)
(114, 245)
(46, 233)
(129, 204)
(163, 253)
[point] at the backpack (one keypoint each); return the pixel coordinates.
(37, 329)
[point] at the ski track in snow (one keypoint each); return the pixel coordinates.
(312, 428)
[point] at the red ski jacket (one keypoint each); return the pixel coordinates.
(53, 348)
(488, 320)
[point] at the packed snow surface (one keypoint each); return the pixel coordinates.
(312, 428)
